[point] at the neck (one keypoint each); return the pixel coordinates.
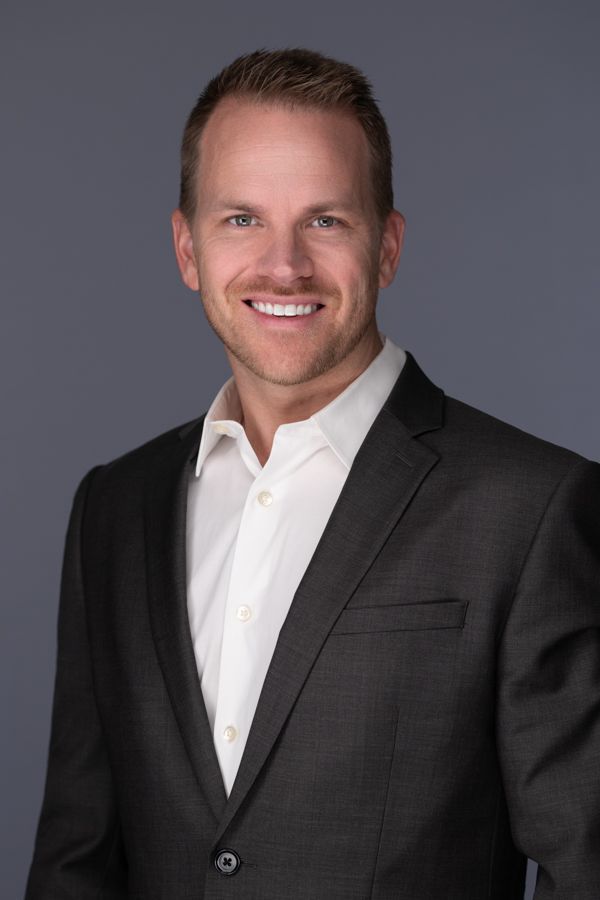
(266, 406)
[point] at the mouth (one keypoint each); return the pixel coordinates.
(287, 310)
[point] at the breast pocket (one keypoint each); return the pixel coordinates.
(402, 617)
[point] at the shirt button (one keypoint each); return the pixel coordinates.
(221, 429)
(243, 613)
(227, 862)
(229, 734)
(265, 498)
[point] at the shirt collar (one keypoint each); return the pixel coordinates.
(344, 422)
(347, 419)
(224, 413)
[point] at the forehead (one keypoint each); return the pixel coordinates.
(245, 141)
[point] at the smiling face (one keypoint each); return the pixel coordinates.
(285, 247)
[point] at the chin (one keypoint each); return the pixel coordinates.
(287, 372)
(285, 375)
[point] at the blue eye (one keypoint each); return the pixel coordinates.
(243, 220)
(324, 222)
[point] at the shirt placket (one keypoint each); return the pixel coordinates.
(242, 664)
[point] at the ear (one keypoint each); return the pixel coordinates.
(390, 247)
(184, 250)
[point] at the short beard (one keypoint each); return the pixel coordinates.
(328, 358)
(331, 356)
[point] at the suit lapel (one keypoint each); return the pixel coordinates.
(387, 471)
(165, 524)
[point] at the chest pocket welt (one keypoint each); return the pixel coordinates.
(402, 617)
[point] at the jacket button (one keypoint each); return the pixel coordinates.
(227, 862)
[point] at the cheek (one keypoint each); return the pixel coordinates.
(220, 263)
(351, 269)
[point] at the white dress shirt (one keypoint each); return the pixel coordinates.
(251, 532)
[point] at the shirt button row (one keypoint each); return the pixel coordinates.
(265, 498)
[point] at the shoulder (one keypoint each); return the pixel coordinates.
(467, 438)
(466, 424)
(136, 466)
(486, 448)
(156, 448)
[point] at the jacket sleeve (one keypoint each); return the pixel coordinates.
(78, 851)
(548, 725)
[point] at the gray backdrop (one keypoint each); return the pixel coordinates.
(494, 117)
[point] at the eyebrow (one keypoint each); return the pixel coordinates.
(314, 210)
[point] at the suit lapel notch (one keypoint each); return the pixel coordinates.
(415, 401)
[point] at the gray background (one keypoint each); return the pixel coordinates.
(493, 113)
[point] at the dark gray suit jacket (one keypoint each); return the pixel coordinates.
(431, 714)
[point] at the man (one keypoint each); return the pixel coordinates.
(339, 637)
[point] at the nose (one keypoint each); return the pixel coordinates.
(285, 258)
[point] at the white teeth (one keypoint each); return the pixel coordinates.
(278, 309)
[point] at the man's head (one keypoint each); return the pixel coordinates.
(281, 228)
(294, 79)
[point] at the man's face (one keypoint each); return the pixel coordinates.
(285, 247)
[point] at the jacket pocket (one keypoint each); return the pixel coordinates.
(402, 617)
